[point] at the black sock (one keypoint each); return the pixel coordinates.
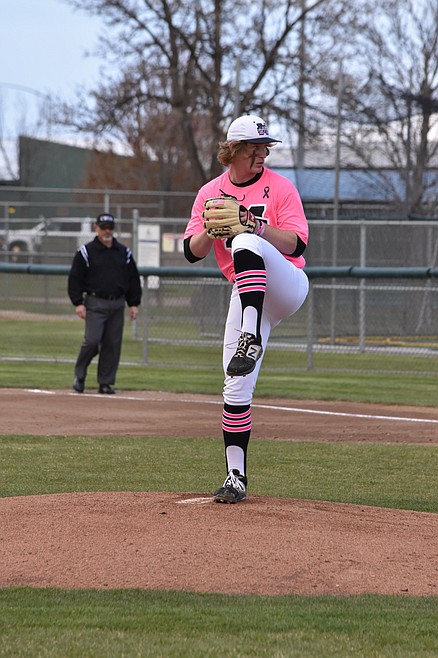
(236, 427)
(251, 282)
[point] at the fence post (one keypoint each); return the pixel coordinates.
(145, 304)
(334, 262)
(362, 286)
(45, 278)
(106, 202)
(310, 327)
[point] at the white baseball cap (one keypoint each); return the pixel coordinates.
(250, 128)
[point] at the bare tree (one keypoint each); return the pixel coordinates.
(390, 102)
(176, 90)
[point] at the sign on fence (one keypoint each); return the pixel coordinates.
(148, 250)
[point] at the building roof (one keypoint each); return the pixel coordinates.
(51, 164)
(359, 185)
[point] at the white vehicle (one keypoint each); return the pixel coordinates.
(23, 241)
(22, 244)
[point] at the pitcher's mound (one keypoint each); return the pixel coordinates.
(187, 542)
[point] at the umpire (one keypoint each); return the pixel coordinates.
(103, 277)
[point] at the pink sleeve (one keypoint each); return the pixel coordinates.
(294, 217)
(196, 222)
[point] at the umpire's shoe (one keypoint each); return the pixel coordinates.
(248, 352)
(78, 385)
(106, 389)
(233, 489)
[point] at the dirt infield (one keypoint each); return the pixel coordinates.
(184, 541)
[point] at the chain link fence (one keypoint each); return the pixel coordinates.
(348, 323)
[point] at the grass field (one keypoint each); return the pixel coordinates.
(131, 623)
(81, 624)
(406, 389)
(58, 340)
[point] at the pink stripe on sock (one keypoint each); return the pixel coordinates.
(252, 289)
(241, 275)
(236, 422)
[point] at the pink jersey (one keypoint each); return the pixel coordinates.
(272, 197)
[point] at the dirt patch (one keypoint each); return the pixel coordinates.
(185, 541)
(155, 413)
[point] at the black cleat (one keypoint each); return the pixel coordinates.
(106, 389)
(248, 352)
(78, 385)
(233, 489)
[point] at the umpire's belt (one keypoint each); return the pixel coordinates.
(109, 297)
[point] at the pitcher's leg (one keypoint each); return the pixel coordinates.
(251, 285)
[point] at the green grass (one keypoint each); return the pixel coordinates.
(357, 473)
(187, 625)
(374, 388)
(59, 339)
(45, 623)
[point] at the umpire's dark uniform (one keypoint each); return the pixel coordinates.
(103, 278)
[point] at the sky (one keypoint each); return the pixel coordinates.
(43, 51)
(43, 48)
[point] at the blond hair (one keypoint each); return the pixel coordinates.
(227, 151)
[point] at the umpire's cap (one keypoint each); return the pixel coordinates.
(105, 218)
(250, 128)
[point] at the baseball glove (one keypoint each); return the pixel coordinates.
(225, 218)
